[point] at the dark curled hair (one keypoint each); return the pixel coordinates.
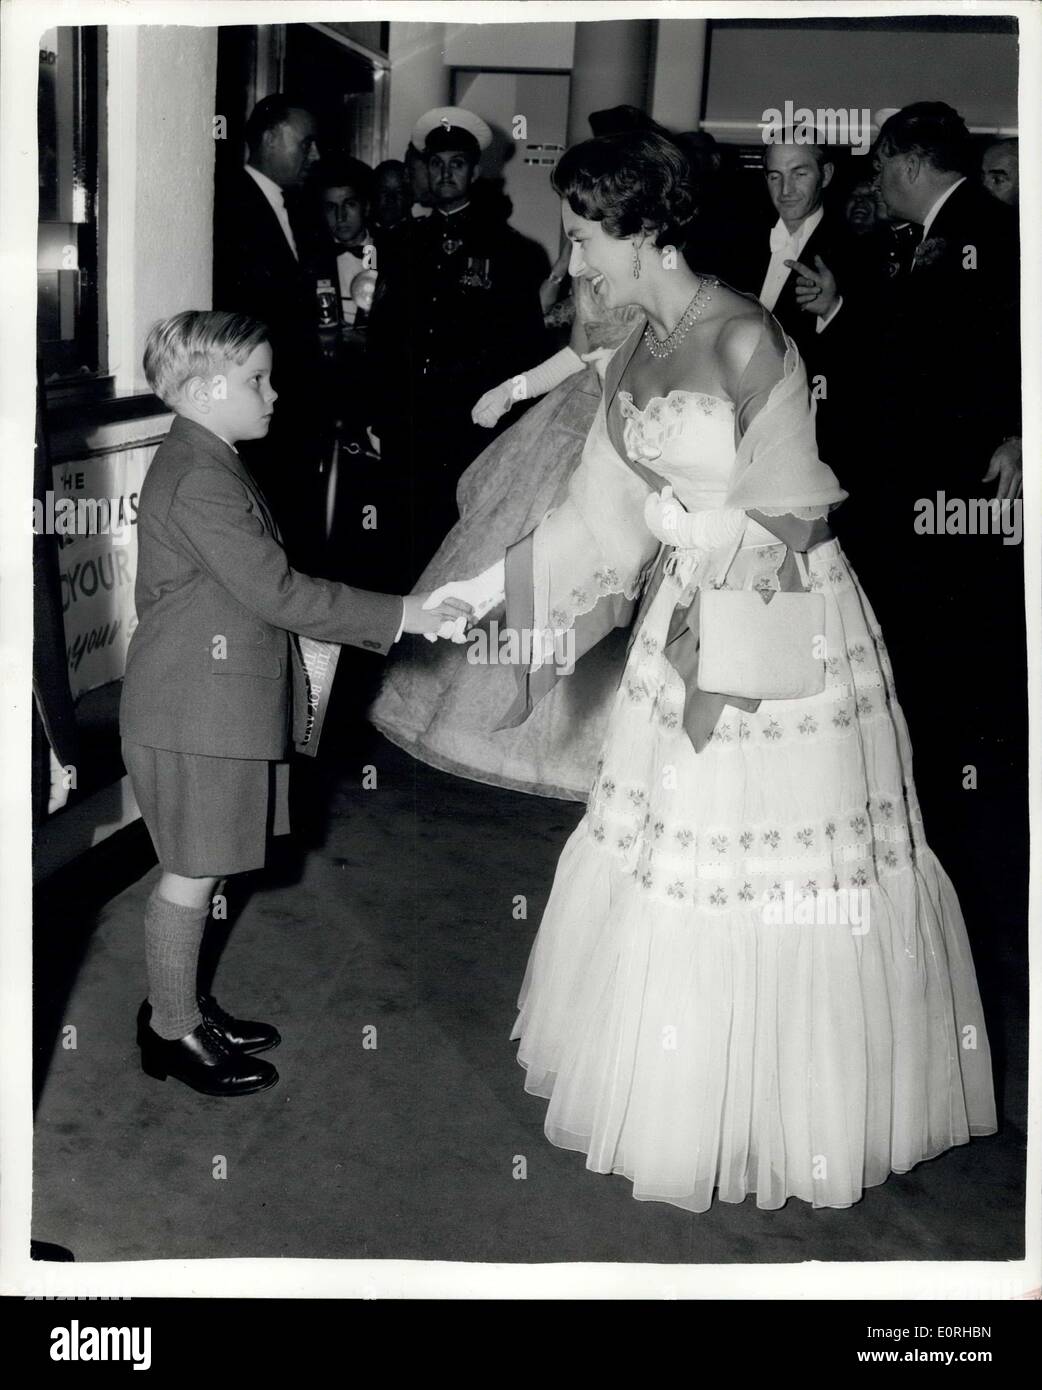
(631, 180)
(342, 171)
(933, 131)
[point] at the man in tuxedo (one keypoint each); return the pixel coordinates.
(951, 328)
(770, 265)
(937, 355)
(269, 254)
(775, 264)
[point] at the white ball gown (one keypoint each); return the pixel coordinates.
(684, 1036)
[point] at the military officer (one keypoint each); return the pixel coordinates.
(454, 315)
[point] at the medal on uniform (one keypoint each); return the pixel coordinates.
(476, 276)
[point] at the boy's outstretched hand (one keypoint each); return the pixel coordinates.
(450, 614)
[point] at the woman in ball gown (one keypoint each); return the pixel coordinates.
(752, 974)
(432, 701)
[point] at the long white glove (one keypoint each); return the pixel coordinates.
(553, 371)
(535, 382)
(669, 520)
(483, 593)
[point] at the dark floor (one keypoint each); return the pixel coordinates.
(398, 916)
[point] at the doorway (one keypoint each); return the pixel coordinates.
(523, 162)
(340, 81)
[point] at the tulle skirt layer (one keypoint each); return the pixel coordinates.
(442, 709)
(752, 975)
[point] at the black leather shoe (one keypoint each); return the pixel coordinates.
(202, 1060)
(238, 1032)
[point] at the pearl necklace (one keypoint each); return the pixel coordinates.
(666, 346)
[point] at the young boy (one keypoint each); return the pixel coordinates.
(208, 710)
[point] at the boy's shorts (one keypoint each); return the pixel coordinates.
(208, 817)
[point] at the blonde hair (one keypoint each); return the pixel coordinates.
(197, 342)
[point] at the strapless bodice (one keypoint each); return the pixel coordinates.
(687, 438)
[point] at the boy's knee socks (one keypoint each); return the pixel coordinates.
(173, 936)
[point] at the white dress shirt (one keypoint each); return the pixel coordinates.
(786, 246)
(348, 265)
(273, 193)
(931, 216)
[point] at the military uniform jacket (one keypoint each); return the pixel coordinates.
(458, 311)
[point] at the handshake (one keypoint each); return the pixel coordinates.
(451, 608)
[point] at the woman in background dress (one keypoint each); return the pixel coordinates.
(433, 702)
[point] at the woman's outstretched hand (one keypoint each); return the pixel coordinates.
(429, 618)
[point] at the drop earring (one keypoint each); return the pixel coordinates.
(636, 262)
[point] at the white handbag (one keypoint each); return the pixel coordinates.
(763, 651)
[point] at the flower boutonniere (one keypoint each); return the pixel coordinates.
(930, 250)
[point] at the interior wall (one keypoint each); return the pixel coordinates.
(543, 99)
(160, 183)
(753, 67)
(677, 72)
(511, 46)
(419, 79)
(612, 67)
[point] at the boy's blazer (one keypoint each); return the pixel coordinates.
(210, 663)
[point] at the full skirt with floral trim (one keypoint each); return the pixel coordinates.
(752, 974)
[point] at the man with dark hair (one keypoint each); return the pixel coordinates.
(936, 353)
(389, 207)
(797, 176)
(280, 138)
(771, 263)
(777, 263)
(419, 182)
(343, 186)
(346, 215)
(931, 130)
(950, 331)
(451, 319)
(1000, 172)
(269, 253)
(255, 218)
